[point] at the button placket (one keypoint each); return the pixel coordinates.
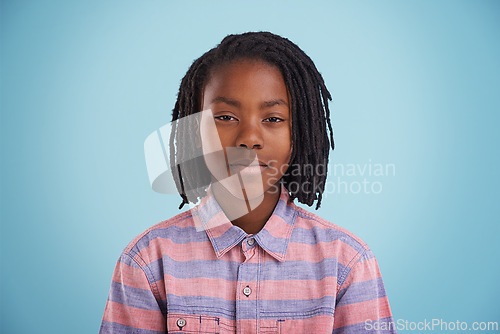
(246, 294)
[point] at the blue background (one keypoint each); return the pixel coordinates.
(415, 84)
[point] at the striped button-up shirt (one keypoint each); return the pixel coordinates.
(298, 274)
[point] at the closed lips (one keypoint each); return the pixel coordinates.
(245, 168)
(246, 163)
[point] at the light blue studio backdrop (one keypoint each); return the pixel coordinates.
(415, 87)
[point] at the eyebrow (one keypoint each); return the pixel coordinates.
(265, 104)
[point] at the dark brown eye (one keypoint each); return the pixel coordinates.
(225, 118)
(274, 120)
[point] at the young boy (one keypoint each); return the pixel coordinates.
(246, 259)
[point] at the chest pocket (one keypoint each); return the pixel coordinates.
(190, 323)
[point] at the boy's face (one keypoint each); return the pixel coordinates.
(251, 111)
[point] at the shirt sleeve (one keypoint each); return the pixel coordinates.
(133, 304)
(361, 304)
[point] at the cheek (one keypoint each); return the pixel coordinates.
(287, 152)
(280, 144)
(286, 147)
(225, 137)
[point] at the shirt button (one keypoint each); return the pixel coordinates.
(181, 322)
(247, 291)
(250, 242)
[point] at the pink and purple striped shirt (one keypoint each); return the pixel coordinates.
(299, 274)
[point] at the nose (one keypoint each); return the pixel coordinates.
(249, 136)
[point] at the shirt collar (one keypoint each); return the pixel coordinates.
(273, 237)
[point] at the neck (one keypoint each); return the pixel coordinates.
(249, 214)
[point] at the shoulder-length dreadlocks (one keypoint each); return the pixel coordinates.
(309, 110)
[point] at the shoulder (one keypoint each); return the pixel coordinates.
(330, 231)
(333, 241)
(151, 239)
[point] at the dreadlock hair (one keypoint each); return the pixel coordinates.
(309, 112)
